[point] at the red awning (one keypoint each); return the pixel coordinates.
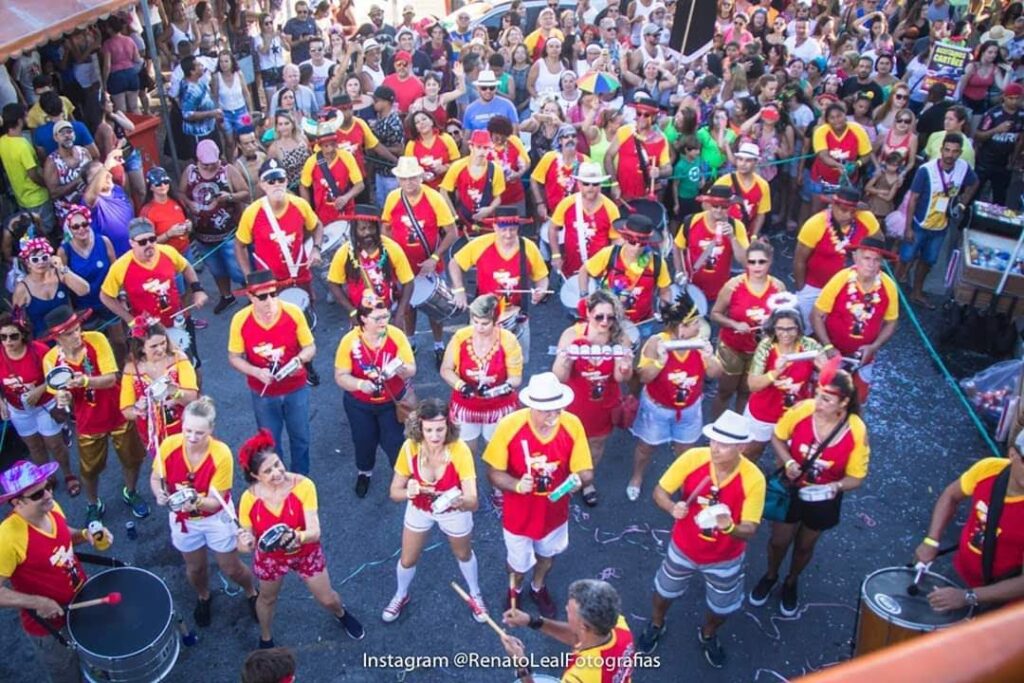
(27, 24)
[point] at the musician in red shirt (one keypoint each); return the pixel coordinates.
(508, 151)
(331, 178)
(555, 176)
(39, 572)
(638, 155)
(709, 242)
(982, 484)
(582, 223)
(474, 185)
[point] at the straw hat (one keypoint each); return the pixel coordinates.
(408, 167)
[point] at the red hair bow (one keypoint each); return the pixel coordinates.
(262, 441)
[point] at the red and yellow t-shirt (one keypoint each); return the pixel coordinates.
(269, 251)
(847, 453)
(459, 468)
(716, 270)
(757, 198)
(748, 306)
(429, 211)
(829, 248)
(854, 316)
(18, 377)
(346, 172)
(850, 146)
(635, 284)
(164, 217)
(361, 361)
(357, 138)
(742, 491)
(792, 383)
(497, 271)
(628, 168)
(976, 483)
(255, 514)
(441, 150)
(596, 229)
(216, 470)
(509, 158)
(557, 178)
(272, 345)
(383, 271)
(97, 411)
(610, 662)
(552, 458)
(470, 191)
(681, 382)
(40, 563)
(134, 385)
(535, 42)
(151, 288)
(502, 361)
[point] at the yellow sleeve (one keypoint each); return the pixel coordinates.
(452, 174)
(343, 356)
(531, 40)
(741, 233)
(13, 544)
(354, 174)
(819, 140)
(244, 232)
(462, 459)
(410, 148)
(403, 464)
(663, 155)
(308, 214)
(179, 261)
(104, 353)
(306, 177)
(765, 204)
(128, 397)
(863, 141)
(513, 352)
(598, 263)
(753, 492)
(450, 147)
(520, 147)
(115, 276)
(540, 171)
(224, 467)
(558, 216)
(679, 470)
(245, 504)
(167, 446)
(370, 140)
(869, 221)
(404, 348)
(469, 254)
(496, 453)
(186, 375)
(498, 182)
(892, 311)
(440, 207)
(812, 231)
(535, 262)
(49, 363)
(390, 202)
(624, 133)
(579, 459)
(336, 273)
(787, 423)
(235, 343)
(303, 333)
(857, 466)
(827, 299)
(647, 361)
(305, 491)
(662, 277)
(403, 271)
(978, 472)
(612, 209)
(680, 240)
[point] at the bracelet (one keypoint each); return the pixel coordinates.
(789, 462)
(435, 257)
(84, 533)
(729, 529)
(85, 381)
(536, 622)
(658, 364)
(196, 287)
(353, 313)
(555, 257)
(771, 375)
(930, 542)
(459, 290)
(518, 482)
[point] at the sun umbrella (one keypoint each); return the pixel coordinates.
(598, 82)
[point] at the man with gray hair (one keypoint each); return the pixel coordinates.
(595, 629)
(305, 98)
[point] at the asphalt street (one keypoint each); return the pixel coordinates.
(921, 440)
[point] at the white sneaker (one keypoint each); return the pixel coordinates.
(394, 609)
(633, 493)
(479, 608)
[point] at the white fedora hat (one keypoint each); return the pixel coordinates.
(545, 392)
(749, 150)
(729, 428)
(408, 167)
(590, 172)
(486, 79)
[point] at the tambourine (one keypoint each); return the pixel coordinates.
(708, 517)
(816, 493)
(59, 377)
(287, 369)
(181, 498)
(277, 537)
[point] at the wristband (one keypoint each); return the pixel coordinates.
(196, 287)
(729, 529)
(459, 290)
(789, 462)
(518, 482)
(556, 257)
(536, 622)
(930, 542)
(435, 257)
(84, 533)
(771, 375)
(353, 313)
(85, 381)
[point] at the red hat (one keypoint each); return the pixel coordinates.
(481, 138)
(402, 56)
(63, 318)
(1013, 90)
(770, 114)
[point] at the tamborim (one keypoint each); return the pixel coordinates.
(889, 614)
(182, 497)
(134, 641)
(432, 296)
(59, 377)
(275, 538)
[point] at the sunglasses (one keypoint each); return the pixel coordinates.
(604, 317)
(903, 120)
(589, 184)
(635, 241)
(275, 181)
(757, 261)
(145, 241)
(265, 295)
(159, 183)
(13, 336)
(38, 495)
(36, 259)
(487, 87)
(644, 115)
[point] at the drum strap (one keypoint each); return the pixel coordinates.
(818, 450)
(524, 299)
(50, 629)
(277, 235)
(415, 225)
(641, 157)
(995, 511)
(743, 202)
(325, 171)
(581, 227)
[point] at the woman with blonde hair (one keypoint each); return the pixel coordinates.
(289, 147)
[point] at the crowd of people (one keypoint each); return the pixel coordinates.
(420, 168)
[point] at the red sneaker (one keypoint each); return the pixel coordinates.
(544, 602)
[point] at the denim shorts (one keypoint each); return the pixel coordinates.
(125, 80)
(656, 425)
(810, 187)
(233, 119)
(927, 246)
(133, 162)
(221, 261)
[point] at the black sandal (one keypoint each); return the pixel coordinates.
(589, 495)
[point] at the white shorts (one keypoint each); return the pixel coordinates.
(866, 372)
(759, 431)
(656, 425)
(806, 298)
(32, 421)
(455, 524)
(472, 430)
(522, 551)
(216, 532)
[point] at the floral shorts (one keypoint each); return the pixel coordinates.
(268, 567)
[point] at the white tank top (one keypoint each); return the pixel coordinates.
(643, 10)
(230, 97)
(376, 75)
(548, 81)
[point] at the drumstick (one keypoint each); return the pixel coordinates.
(693, 496)
(184, 310)
(229, 509)
(512, 593)
(527, 456)
(108, 599)
(469, 601)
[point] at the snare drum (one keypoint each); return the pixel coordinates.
(570, 293)
(334, 234)
(699, 299)
(179, 337)
(889, 614)
(510, 320)
(299, 297)
(432, 296)
(133, 641)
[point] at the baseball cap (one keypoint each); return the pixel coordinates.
(1013, 90)
(403, 56)
(385, 93)
(61, 126)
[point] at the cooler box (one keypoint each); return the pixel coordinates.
(996, 220)
(983, 259)
(143, 138)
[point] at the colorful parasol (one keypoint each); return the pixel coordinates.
(598, 82)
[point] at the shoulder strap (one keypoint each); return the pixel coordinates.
(414, 223)
(743, 202)
(277, 235)
(819, 449)
(642, 159)
(613, 258)
(524, 299)
(995, 511)
(325, 170)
